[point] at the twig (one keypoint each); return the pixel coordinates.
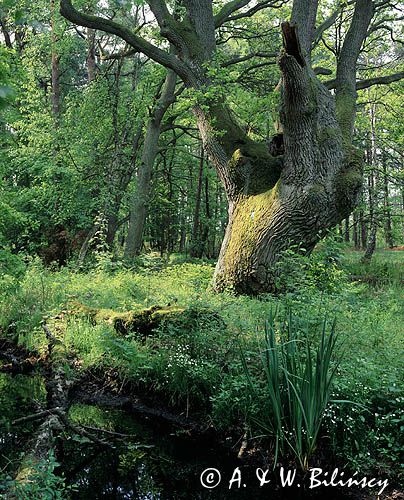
(80, 431)
(34, 416)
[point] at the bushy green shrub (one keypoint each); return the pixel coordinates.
(298, 273)
(368, 435)
(234, 401)
(12, 267)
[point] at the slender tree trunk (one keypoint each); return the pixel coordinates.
(91, 62)
(346, 232)
(86, 245)
(371, 244)
(183, 227)
(119, 174)
(6, 33)
(195, 250)
(372, 181)
(355, 231)
(173, 212)
(363, 230)
(112, 225)
(402, 199)
(114, 172)
(216, 219)
(208, 216)
(140, 198)
(168, 222)
(55, 96)
(388, 230)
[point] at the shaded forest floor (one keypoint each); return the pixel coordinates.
(154, 339)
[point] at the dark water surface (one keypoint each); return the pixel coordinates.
(149, 463)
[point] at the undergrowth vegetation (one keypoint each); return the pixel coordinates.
(232, 362)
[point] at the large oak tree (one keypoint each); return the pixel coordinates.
(275, 202)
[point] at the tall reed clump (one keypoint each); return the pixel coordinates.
(297, 384)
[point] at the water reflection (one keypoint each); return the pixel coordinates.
(149, 463)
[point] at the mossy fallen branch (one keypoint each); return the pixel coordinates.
(34, 466)
(142, 321)
(42, 442)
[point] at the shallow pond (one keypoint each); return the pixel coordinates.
(148, 462)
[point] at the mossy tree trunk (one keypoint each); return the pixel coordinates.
(140, 200)
(279, 197)
(321, 173)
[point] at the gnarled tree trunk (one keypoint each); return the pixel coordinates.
(321, 173)
(279, 197)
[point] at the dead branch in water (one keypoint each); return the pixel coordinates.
(54, 419)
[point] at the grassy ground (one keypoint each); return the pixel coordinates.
(195, 364)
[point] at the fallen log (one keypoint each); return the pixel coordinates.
(54, 420)
(146, 320)
(142, 321)
(132, 404)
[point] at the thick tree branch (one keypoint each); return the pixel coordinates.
(227, 10)
(260, 6)
(369, 82)
(138, 43)
(319, 70)
(380, 80)
(170, 27)
(327, 23)
(346, 68)
(161, 12)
